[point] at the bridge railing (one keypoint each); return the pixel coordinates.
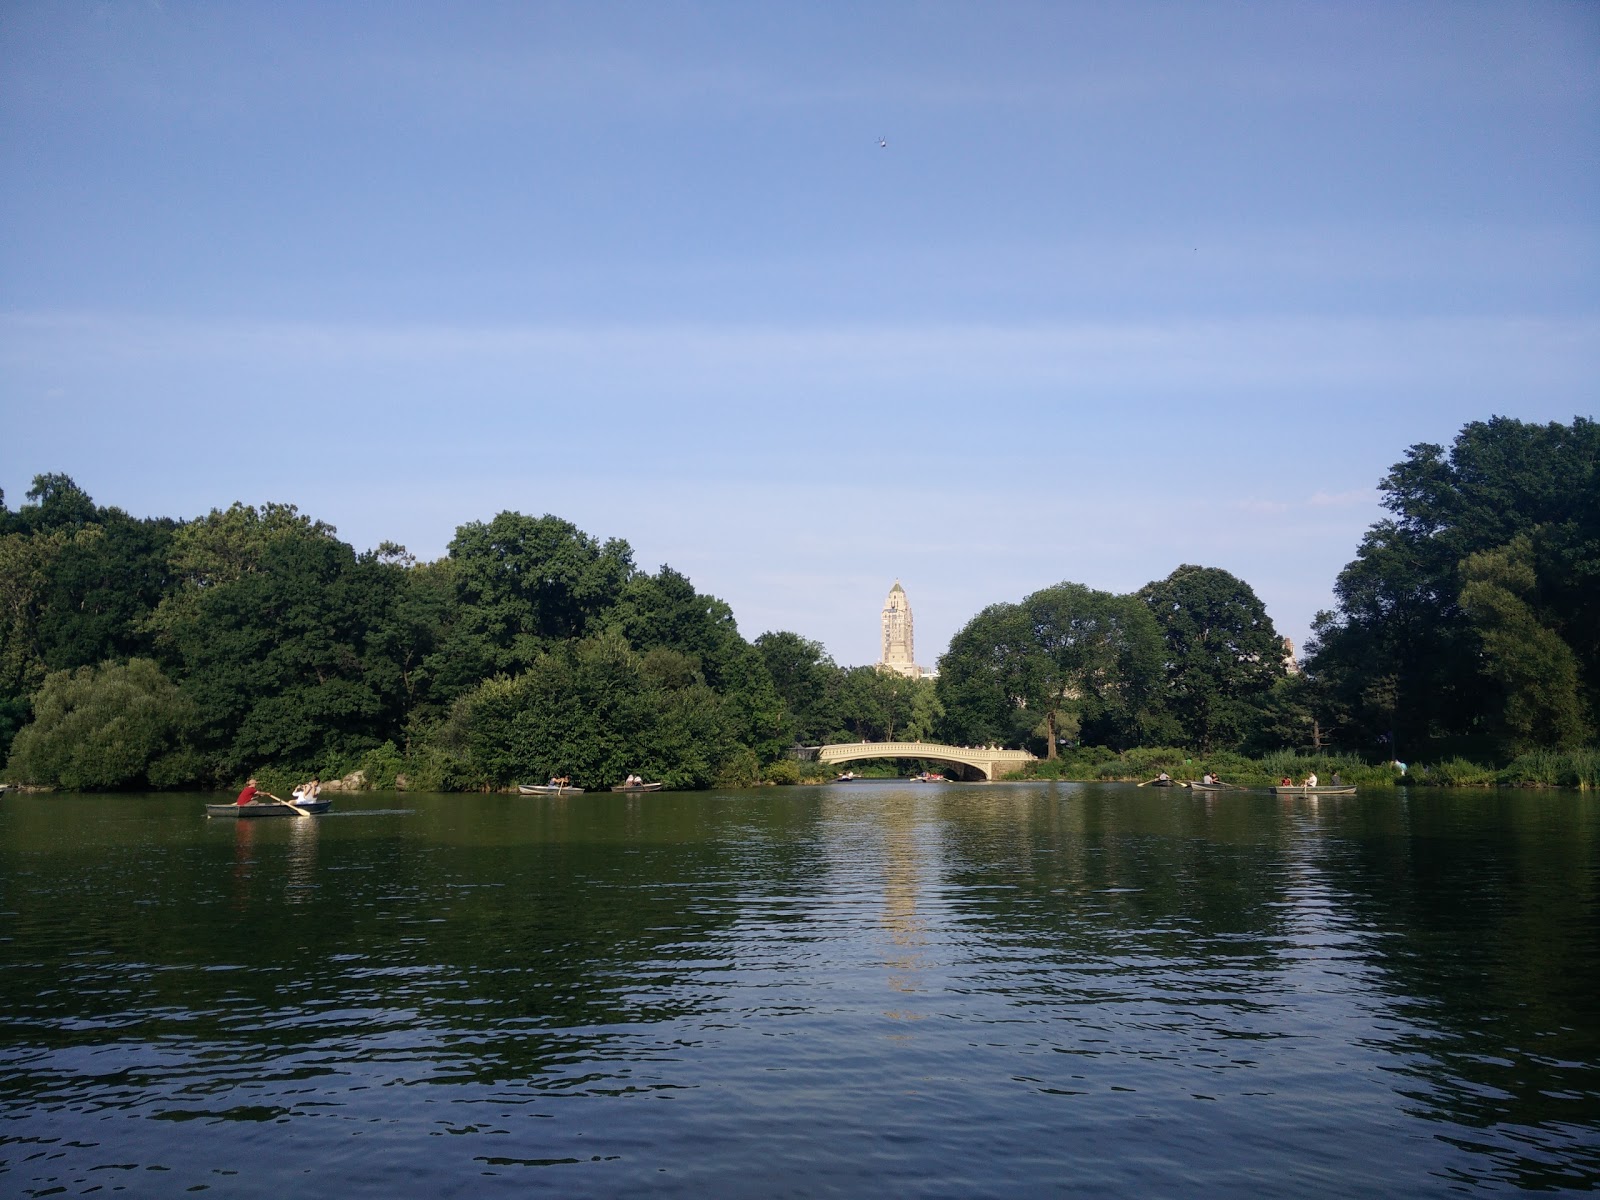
(920, 750)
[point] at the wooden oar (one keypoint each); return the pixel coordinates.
(1147, 781)
(298, 811)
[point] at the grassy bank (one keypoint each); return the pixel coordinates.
(1544, 768)
(1093, 763)
(383, 769)
(1538, 768)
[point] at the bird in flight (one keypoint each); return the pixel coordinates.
(883, 143)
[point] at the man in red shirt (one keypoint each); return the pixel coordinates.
(247, 796)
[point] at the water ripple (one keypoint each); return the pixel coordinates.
(979, 992)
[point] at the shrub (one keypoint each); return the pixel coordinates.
(1552, 768)
(742, 769)
(382, 765)
(118, 725)
(590, 710)
(784, 771)
(1457, 772)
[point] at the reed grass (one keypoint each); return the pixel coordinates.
(1092, 763)
(1553, 768)
(1538, 768)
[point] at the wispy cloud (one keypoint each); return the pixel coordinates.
(1133, 355)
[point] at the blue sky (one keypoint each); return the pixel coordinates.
(1130, 286)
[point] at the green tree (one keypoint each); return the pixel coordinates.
(982, 682)
(76, 583)
(100, 591)
(1398, 660)
(1222, 654)
(664, 610)
(1534, 671)
(415, 607)
(58, 503)
(1285, 719)
(271, 629)
(1064, 652)
(25, 562)
(806, 680)
(112, 726)
(594, 710)
(522, 585)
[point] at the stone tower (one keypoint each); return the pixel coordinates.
(898, 654)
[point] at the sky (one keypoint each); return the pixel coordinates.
(801, 299)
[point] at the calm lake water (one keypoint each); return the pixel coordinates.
(873, 989)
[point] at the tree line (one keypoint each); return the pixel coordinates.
(162, 653)
(153, 652)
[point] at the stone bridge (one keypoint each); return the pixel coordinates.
(982, 762)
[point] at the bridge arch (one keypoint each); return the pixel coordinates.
(983, 761)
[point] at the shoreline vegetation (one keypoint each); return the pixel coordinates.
(160, 654)
(1577, 770)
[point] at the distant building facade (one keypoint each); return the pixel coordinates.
(899, 654)
(1289, 663)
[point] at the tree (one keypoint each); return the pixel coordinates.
(1398, 661)
(522, 585)
(1285, 718)
(100, 591)
(804, 677)
(113, 726)
(272, 632)
(1065, 651)
(1534, 671)
(594, 710)
(76, 584)
(58, 503)
(408, 633)
(1222, 654)
(664, 611)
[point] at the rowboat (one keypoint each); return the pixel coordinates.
(636, 787)
(1162, 783)
(1215, 787)
(847, 777)
(257, 809)
(549, 789)
(1347, 789)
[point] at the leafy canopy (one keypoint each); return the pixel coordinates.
(1222, 655)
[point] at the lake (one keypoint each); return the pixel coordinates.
(873, 989)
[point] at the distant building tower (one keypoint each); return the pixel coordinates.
(1289, 663)
(898, 655)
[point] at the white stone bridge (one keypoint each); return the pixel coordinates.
(983, 762)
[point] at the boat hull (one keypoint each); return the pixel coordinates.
(1348, 789)
(541, 789)
(637, 787)
(254, 810)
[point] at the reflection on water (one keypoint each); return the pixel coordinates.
(300, 881)
(877, 989)
(903, 853)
